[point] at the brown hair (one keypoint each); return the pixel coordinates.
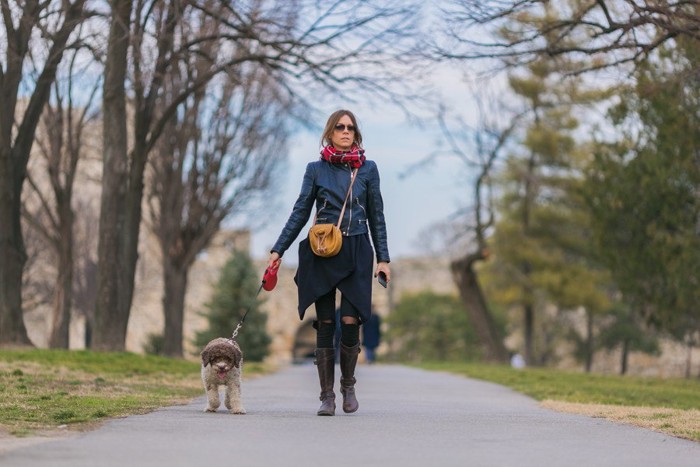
(333, 121)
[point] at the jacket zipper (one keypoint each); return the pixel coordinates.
(357, 200)
(325, 201)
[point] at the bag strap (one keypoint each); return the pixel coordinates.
(347, 195)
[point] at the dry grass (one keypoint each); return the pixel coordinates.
(36, 398)
(675, 422)
(42, 391)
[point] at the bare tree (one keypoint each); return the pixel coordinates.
(606, 33)
(488, 141)
(61, 144)
(218, 158)
(53, 22)
(277, 36)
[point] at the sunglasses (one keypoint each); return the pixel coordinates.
(341, 127)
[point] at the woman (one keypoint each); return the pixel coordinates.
(326, 183)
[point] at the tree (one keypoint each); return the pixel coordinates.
(430, 327)
(54, 22)
(608, 34)
(61, 146)
(540, 242)
(644, 193)
(116, 245)
(236, 293)
(489, 142)
(539, 104)
(623, 329)
(276, 36)
(220, 161)
(589, 35)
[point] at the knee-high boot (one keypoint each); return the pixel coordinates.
(348, 361)
(325, 362)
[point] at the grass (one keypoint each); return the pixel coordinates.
(671, 406)
(41, 390)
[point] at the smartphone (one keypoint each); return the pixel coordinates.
(381, 278)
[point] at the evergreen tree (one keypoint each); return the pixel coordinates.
(645, 193)
(430, 327)
(234, 294)
(625, 330)
(542, 254)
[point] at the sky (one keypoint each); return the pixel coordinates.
(411, 204)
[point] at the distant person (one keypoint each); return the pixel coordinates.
(517, 361)
(343, 177)
(371, 337)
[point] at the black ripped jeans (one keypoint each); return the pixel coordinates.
(349, 322)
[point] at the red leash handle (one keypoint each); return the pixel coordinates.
(269, 280)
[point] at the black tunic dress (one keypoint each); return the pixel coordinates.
(350, 271)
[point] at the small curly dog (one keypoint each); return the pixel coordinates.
(222, 364)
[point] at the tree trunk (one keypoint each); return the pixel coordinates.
(529, 325)
(85, 294)
(113, 288)
(16, 140)
(623, 357)
(63, 296)
(589, 341)
(475, 305)
(173, 307)
(689, 358)
(12, 329)
(88, 332)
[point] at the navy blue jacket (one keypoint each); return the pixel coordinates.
(326, 184)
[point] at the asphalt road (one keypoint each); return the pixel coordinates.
(407, 418)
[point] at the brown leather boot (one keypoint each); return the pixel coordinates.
(325, 362)
(348, 360)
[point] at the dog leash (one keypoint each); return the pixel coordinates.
(269, 281)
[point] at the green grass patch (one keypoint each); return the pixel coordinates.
(101, 363)
(584, 388)
(44, 389)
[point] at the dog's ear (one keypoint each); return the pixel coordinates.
(205, 357)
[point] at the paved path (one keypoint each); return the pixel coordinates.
(407, 418)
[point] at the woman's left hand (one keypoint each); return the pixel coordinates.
(383, 267)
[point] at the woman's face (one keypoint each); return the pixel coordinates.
(343, 134)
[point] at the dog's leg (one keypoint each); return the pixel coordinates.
(233, 394)
(213, 398)
(212, 391)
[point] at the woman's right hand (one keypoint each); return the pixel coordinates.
(274, 260)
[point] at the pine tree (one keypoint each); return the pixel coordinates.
(234, 294)
(647, 203)
(541, 250)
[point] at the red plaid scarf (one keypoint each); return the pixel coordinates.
(355, 156)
